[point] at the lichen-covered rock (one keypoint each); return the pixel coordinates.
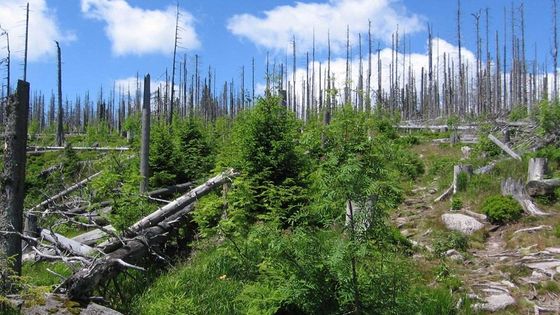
(461, 223)
(494, 303)
(58, 304)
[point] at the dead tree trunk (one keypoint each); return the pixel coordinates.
(516, 189)
(60, 127)
(26, 43)
(537, 185)
(145, 145)
(13, 176)
(457, 171)
(504, 147)
(162, 213)
(456, 185)
(81, 285)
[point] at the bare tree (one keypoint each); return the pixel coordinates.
(60, 126)
(26, 43)
(13, 176)
(145, 142)
(555, 48)
(170, 114)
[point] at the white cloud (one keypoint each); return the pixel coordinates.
(43, 28)
(138, 31)
(277, 27)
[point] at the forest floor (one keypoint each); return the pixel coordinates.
(500, 270)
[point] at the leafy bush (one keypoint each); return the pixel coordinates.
(556, 230)
(502, 209)
(452, 240)
(485, 147)
(462, 181)
(456, 203)
(518, 113)
(548, 115)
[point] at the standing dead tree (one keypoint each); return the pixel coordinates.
(60, 126)
(13, 175)
(145, 144)
(171, 109)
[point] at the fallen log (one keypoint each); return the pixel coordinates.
(81, 285)
(504, 147)
(516, 189)
(92, 237)
(170, 208)
(537, 185)
(63, 193)
(533, 229)
(543, 187)
(57, 148)
(186, 199)
(64, 243)
(170, 190)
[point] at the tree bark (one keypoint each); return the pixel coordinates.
(145, 145)
(516, 189)
(171, 208)
(81, 285)
(60, 127)
(13, 176)
(504, 147)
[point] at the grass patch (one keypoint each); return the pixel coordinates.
(36, 274)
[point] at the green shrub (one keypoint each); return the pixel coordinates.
(456, 203)
(462, 181)
(557, 230)
(548, 116)
(502, 209)
(518, 113)
(452, 240)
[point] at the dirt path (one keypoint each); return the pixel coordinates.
(500, 278)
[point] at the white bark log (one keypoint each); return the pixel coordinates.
(504, 147)
(93, 236)
(64, 243)
(538, 167)
(58, 148)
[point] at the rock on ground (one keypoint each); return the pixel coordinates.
(59, 304)
(495, 303)
(461, 223)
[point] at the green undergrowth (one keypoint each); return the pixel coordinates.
(277, 239)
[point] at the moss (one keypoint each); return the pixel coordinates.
(73, 307)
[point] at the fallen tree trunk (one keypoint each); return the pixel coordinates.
(170, 190)
(63, 193)
(537, 185)
(92, 237)
(504, 147)
(543, 187)
(516, 189)
(169, 209)
(58, 148)
(188, 198)
(69, 245)
(81, 285)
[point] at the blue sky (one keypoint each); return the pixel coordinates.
(107, 41)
